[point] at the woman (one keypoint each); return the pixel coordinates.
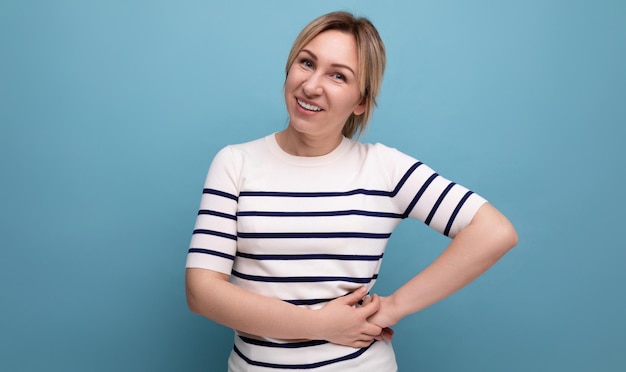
(292, 227)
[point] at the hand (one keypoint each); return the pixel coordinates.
(343, 323)
(381, 318)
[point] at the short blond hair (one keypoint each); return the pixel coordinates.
(371, 56)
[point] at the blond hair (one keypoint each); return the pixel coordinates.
(371, 57)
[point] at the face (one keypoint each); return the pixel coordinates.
(322, 86)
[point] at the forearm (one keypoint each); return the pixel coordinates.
(211, 295)
(474, 250)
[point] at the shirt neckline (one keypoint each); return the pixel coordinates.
(308, 161)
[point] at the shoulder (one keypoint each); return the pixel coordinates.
(384, 153)
(242, 150)
(249, 146)
(231, 158)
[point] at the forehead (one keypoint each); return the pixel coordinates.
(338, 46)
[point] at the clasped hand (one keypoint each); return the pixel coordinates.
(356, 320)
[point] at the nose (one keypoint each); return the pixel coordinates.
(312, 86)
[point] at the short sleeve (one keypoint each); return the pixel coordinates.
(423, 194)
(214, 241)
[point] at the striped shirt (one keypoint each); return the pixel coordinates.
(307, 230)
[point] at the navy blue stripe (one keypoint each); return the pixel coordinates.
(286, 345)
(309, 235)
(216, 233)
(405, 178)
(211, 252)
(343, 257)
(456, 211)
(219, 193)
(420, 193)
(438, 203)
(311, 301)
(302, 279)
(218, 214)
(314, 301)
(319, 214)
(356, 354)
(315, 194)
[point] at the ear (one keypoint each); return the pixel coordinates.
(360, 109)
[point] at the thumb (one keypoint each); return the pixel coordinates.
(354, 297)
(372, 307)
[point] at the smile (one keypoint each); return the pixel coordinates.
(307, 106)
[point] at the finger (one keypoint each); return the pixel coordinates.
(388, 331)
(362, 343)
(354, 297)
(371, 307)
(367, 339)
(371, 330)
(385, 335)
(366, 300)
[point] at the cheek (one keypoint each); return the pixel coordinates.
(292, 78)
(349, 100)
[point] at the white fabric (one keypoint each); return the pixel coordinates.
(310, 229)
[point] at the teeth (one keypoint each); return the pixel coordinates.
(309, 107)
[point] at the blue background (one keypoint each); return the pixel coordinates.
(111, 112)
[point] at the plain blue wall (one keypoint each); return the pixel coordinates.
(111, 111)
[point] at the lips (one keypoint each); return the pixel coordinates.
(308, 106)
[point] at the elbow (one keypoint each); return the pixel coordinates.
(512, 237)
(191, 302)
(192, 289)
(498, 232)
(506, 236)
(201, 286)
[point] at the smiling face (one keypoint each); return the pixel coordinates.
(322, 86)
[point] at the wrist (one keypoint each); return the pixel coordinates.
(395, 312)
(314, 324)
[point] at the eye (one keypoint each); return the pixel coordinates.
(306, 62)
(339, 76)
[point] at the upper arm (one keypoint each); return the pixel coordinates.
(213, 243)
(197, 276)
(491, 222)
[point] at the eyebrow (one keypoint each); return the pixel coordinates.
(334, 64)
